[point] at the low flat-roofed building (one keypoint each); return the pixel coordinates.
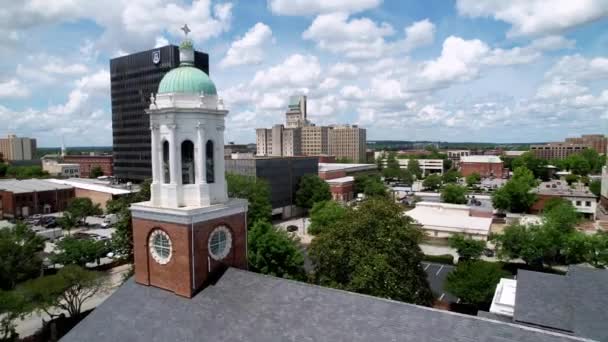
(513, 153)
(283, 175)
(581, 198)
(485, 166)
(503, 302)
(338, 170)
(23, 198)
(573, 304)
(442, 220)
(89, 162)
(427, 166)
(342, 189)
(57, 169)
(100, 192)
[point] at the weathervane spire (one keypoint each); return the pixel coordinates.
(186, 29)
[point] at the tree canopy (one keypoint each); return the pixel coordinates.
(67, 290)
(256, 191)
(474, 282)
(312, 189)
(466, 247)
(515, 196)
(473, 179)
(451, 176)
(12, 307)
(96, 171)
(454, 193)
(530, 162)
(373, 250)
(81, 207)
(20, 258)
(79, 251)
(370, 185)
(23, 172)
(273, 251)
(323, 215)
(413, 167)
(432, 182)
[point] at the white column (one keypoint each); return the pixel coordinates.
(199, 158)
(218, 156)
(173, 174)
(156, 176)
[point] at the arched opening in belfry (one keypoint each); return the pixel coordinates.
(188, 162)
(166, 175)
(209, 164)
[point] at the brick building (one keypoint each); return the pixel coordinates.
(556, 150)
(598, 142)
(485, 166)
(88, 162)
(23, 198)
(578, 195)
(342, 189)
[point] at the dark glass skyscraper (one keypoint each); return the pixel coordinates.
(133, 78)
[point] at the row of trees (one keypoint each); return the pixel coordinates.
(22, 172)
(554, 241)
(583, 163)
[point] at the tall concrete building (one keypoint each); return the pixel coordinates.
(348, 141)
(556, 150)
(598, 142)
(15, 148)
(301, 137)
(315, 140)
(133, 78)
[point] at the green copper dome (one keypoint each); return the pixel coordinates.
(186, 79)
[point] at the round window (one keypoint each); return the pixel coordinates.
(220, 242)
(160, 246)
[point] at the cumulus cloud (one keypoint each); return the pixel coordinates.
(296, 71)
(458, 61)
(534, 17)
(312, 7)
(13, 88)
(355, 38)
(250, 48)
(418, 34)
(576, 67)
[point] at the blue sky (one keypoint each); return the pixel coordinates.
(465, 70)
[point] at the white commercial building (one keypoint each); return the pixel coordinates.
(503, 302)
(427, 166)
(581, 198)
(442, 220)
(55, 168)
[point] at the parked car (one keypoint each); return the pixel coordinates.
(488, 252)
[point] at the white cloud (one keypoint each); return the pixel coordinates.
(161, 41)
(459, 60)
(344, 70)
(13, 88)
(296, 71)
(351, 92)
(559, 89)
(97, 82)
(577, 67)
(355, 38)
(312, 7)
(64, 69)
(419, 34)
(250, 48)
(535, 17)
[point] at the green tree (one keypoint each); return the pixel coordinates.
(474, 282)
(466, 247)
(374, 187)
(473, 179)
(577, 164)
(530, 162)
(96, 171)
(20, 258)
(515, 195)
(312, 189)
(81, 207)
(12, 307)
(380, 161)
(560, 214)
(595, 187)
(273, 251)
(597, 253)
(447, 164)
(257, 193)
(373, 250)
(323, 215)
(79, 251)
(122, 238)
(572, 178)
(525, 242)
(453, 193)
(67, 290)
(451, 176)
(67, 221)
(23, 172)
(413, 167)
(432, 182)
(3, 169)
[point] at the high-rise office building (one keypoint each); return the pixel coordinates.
(296, 112)
(315, 140)
(348, 141)
(15, 148)
(133, 79)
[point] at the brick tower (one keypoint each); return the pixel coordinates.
(190, 230)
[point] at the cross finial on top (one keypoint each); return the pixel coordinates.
(186, 29)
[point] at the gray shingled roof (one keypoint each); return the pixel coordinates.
(244, 306)
(576, 302)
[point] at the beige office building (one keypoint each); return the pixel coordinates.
(556, 150)
(348, 141)
(315, 140)
(14, 148)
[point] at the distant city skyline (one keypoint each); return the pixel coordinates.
(456, 71)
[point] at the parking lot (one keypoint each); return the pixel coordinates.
(436, 275)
